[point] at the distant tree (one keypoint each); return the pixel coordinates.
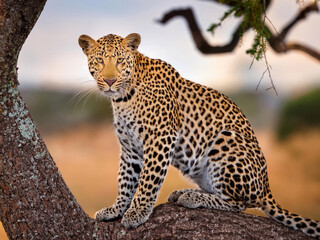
(35, 202)
(253, 15)
(299, 114)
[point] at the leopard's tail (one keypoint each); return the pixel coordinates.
(297, 222)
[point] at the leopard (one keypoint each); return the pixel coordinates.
(163, 119)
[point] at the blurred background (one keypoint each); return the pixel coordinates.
(77, 124)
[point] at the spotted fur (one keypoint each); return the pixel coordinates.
(161, 119)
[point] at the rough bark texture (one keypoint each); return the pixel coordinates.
(277, 42)
(35, 202)
(170, 221)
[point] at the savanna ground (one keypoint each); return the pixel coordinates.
(88, 157)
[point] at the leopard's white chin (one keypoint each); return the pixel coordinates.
(109, 93)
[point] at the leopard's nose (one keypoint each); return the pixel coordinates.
(110, 82)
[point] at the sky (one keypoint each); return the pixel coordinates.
(51, 56)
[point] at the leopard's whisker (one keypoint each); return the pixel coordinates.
(83, 93)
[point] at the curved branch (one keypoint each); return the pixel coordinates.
(276, 41)
(301, 15)
(201, 43)
(280, 46)
(309, 51)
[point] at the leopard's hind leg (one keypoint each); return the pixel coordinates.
(174, 196)
(231, 178)
(198, 199)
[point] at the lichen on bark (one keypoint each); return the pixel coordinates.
(19, 113)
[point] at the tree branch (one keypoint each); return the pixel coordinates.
(201, 43)
(276, 41)
(300, 16)
(303, 48)
(171, 221)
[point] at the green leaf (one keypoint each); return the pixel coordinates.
(213, 27)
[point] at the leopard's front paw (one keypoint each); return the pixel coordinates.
(108, 213)
(134, 217)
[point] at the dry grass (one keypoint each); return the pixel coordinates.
(88, 156)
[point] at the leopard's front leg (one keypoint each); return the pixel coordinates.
(157, 157)
(128, 179)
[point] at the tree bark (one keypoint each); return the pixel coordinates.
(35, 202)
(170, 221)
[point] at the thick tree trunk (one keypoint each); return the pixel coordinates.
(35, 202)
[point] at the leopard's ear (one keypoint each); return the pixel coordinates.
(132, 41)
(87, 44)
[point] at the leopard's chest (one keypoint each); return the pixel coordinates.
(127, 130)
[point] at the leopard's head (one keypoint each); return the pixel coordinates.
(111, 61)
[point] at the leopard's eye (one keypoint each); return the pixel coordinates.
(99, 60)
(120, 60)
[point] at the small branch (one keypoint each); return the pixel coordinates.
(280, 46)
(268, 66)
(268, 69)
